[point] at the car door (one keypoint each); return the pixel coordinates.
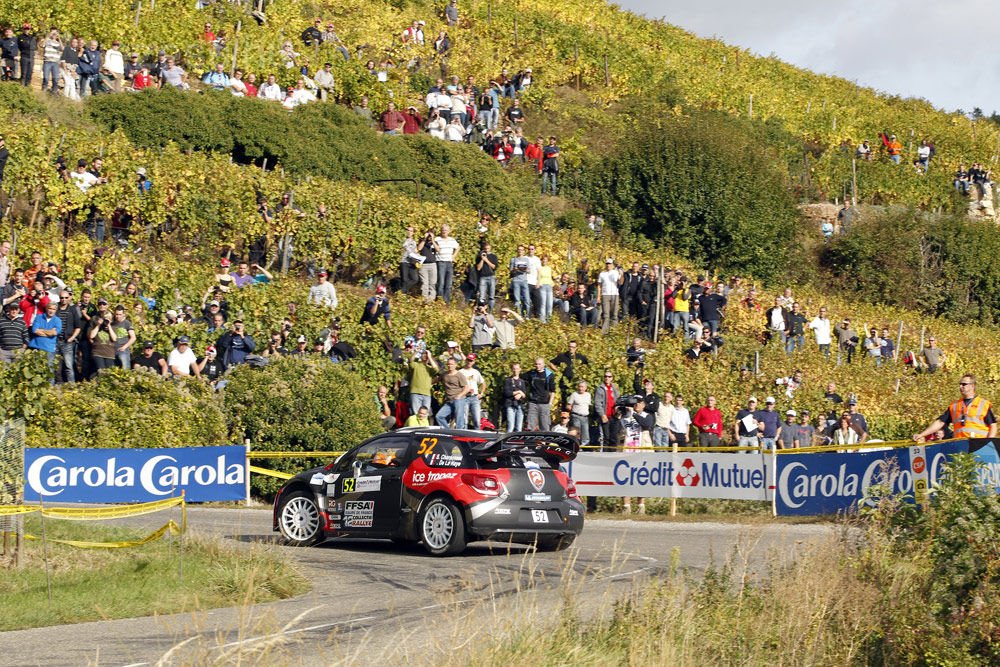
(368, 492)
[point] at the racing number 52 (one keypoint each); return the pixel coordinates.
(349, 485)
(426, 445)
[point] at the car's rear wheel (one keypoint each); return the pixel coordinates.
(442, 529)
(299, 520)
(554, 542)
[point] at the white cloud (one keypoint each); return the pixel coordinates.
(937, 50)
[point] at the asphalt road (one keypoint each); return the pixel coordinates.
(374, 601)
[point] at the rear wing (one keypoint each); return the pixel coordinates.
(555, 448)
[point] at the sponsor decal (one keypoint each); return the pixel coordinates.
(537, 479)
(135, 475)
(363, 484)
(359, 513)
(422, 478)
(538, 498)
(688, 475)
(316, 479)
(539, 516)
(331, 478)
(444, 461)
(723, 475)
(574, 513)
(502, 511)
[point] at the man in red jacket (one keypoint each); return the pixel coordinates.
(708, 420)
(412, 121)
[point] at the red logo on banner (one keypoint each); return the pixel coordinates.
(918, 464)
(688, 475)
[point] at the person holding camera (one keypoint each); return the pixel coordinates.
(486, 269)
(482, 325)
(235, 345)
(422, 370)
(377, 307)
(427, 247)
(102, 336)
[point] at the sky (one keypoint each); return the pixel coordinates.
(941, 51)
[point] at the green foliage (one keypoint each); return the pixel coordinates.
(23, 385)
(299, 404)
(705, 186)
(326, 140)
(21, 100)
(129, 409)
(945, 265)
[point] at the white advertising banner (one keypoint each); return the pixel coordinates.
(725, 475)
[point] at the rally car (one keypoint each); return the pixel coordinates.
(441, 487)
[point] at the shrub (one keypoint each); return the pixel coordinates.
(704, 186)
(129, 409)
(19, 99)
(298, 404)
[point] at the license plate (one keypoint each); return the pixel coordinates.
(539, 516)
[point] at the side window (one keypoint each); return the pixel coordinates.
(441, 452)
(377, 455)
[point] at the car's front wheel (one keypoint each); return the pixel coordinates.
(442, 529)
(299, 519)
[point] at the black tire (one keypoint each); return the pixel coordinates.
(554, 542)
(299, 519)
(442, 529)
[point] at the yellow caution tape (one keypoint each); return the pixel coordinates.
(291, 455)
(93, 513)
(270, 473)
(168, 528)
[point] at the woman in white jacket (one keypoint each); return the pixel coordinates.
(436, 125)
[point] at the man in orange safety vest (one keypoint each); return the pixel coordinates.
(970, 416)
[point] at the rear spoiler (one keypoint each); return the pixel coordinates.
(555, 448)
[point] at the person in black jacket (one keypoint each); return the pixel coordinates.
(541, 385)
(515, 395)
(9, 53)
(27, 44)
(90, 69)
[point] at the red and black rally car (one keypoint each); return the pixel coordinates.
(441, 487)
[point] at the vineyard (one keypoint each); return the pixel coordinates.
(594, 66)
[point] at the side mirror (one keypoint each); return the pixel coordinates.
(357, 465)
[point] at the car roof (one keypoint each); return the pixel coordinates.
(452, 432)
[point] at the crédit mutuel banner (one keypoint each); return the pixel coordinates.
(204, 474)
(647, 474)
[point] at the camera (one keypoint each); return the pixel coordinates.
(628, 401)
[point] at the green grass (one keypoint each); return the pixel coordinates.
(100, 584)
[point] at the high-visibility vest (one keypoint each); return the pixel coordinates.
(895, 148)
(969, 421)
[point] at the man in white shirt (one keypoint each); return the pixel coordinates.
(271, 90)
(534, 263)
(473, 402)
(822, 329)
(503, 328)
(114, 64)
(323, 293)
(447, 254)
(324, 80)
(182, 360)
(680, 423)
(83, 178)
(607, 293)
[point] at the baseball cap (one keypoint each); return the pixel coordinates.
(210, 349)
(323, 273)
(609, 260)
(752, 399)
(184, 340)
(141, 171)
(213, 302)
(853, 401)
(301, 339)
(147, 345)
(102, 300)
(470, 357)
(791, 413)
(224, 262)
(769, 399)
(380, 289)
(171, 313)
(452, 343)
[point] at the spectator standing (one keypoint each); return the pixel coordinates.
(708, 420)
(795, 330)
(324, 81)
(746, 426)
(515, 396)
(661, 422)
(873, 346)
(9, 52)
(114, 66)
(712, 307)
(546, 284)
(451, 13)
(788, 433)
(805, 433)
(447, 248)
(323, 293)
(124, 337)
(483, 330)
(519, 267)
(407, 264)
(69, 315)
(392, 120)
(13, 333)
(151, 360)
(456, 389)
(541, 385)
(235, 345)
(27, 44)
(45, 331)
(550, 166)
(477, 386)
(776, 318)
(181, 360)
(607, 292)
(52, 53)
(102, 337)
(821, 328)
(933, 356)
(768, 423)
(579, 404)
(971, 416)
(567, 362)
(427, 247)
(858, 421)
(486, 266)
(845, 434)
(504, 328)
(422, 370)
(605, 401)
(888, 347)
(680, 423)
(847, 339)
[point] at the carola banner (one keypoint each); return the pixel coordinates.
(987, 452)
(733, 476)
(832, 482)
(135, 475)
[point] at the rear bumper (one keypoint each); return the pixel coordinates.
(525, 518)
